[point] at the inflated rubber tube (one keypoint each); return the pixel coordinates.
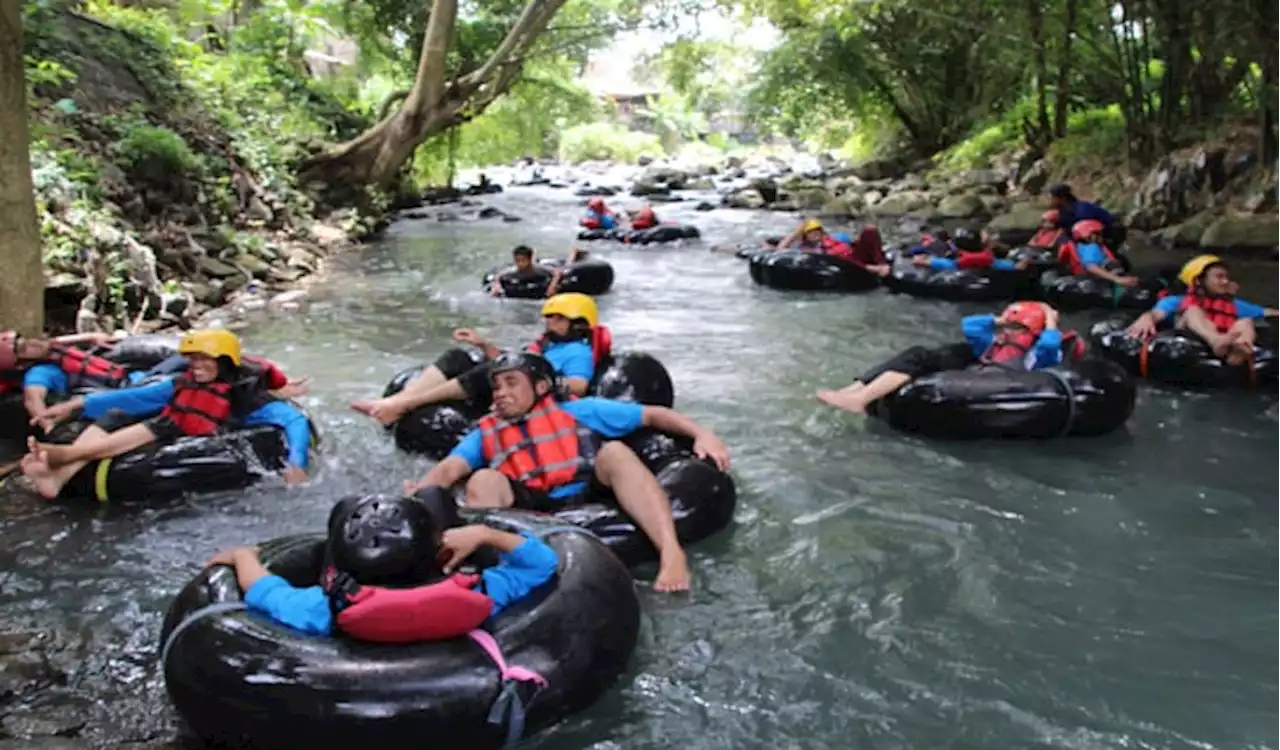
(13, 421)
(1090, 292)
(793, 270)
(654, 235)
(1087, 397)
(141, 351)
(435, 429)
(242, 681)
(1180, 357)
(963, 285)
(590, 276)
(231, 461)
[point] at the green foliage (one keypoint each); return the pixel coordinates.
(607, 141)
(156, 154)
(1095, 139)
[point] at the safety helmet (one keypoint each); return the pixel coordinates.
(1083, 230)
(1196, 267)
(574, 306)
(967, 241)
(379, 540)
(645, 211)
(8, 349)
(534, 365)
(1029, 315)
(212, 342)
(1061, 190)
(810, 225)
(1051, 215)
(596, 204)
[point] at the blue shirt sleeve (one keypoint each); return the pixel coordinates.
(304, 609)
(1048, 348)
(572, 359)
(136, 402)
(1169, 305)
(297, 430)
(46, 376)
(942, 264)
(1090, 254)
(612, 419)
(519, 572)
(1249, 310)
(979, 331)
(608, 222)
(1004, 264)
(1089, 210)
(470, 449)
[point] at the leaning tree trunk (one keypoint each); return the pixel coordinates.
(22, 283)
(432, 105)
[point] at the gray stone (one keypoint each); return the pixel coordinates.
(900, 204)
(253, 264)
(1032, 180)
(806, 198)
(961, 206)
(215, 268)
(879, 169)
(1249, 233)
(745, 198)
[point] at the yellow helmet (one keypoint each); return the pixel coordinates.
(573, 306)
(810, 225)
(1196, 266)
(212, 342)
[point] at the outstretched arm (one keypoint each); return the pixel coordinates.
(448, 472)
(705, 442)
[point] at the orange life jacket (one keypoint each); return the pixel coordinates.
(199, 408)
(1009, 349)
(645, 219)
(1067, 255)
(83, 368)
(545, 449)
(435, 611)
(601, 344)
(1048, 239)
(1221, 311)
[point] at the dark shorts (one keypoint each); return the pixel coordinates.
(919, 361)
(527, 499)
(162, 427)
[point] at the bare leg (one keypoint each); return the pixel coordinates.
(640, 495)
(47, 481)
(856, 400)
(1241, 350)
(1194, 320)
(489, 488)
(93, 444)
(389, 409)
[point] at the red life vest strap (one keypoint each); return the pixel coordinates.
(436, 611)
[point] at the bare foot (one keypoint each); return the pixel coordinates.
(381, 409)
(850, 402)
(53, 456)
(1222, 344)
(673, 572)
(42, 479)
(1239, 353)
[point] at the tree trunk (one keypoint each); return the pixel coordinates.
(432, 105)
(22, 283)
(1035, 17)
(1062, 92)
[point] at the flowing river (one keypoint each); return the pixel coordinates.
(875, 591)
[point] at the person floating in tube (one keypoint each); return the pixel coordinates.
(1071, 211)
(868, 251)
(523, 257)
(1209, 309)
(598, 215)
(1051, 235)
(971, 253)
(1024, 336)
(645, 218)
(536, 453)
(219, 389)
(568, 342)
(391, 575)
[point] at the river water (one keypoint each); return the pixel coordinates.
(876, 591)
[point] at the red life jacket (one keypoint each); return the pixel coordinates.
(544, 450)
(83, 368)
(601, 344)
(10, 381)
(1221, 311)
(975, 261)
(1067, 255)
(644, 219)
(436, 611)
(1073, 346)
(199, 408)
(1010, 349)
(1048, 239)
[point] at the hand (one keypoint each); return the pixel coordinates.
(1050, 316)
(468, 336)
(461, 543)
(229, 556)
(1142, 328)
(293, 389)
(707, 445)
(552, 290)
(55, 414)
(294, 475)
(495, 290)
(411, 486)
(1127, 281)
(920, 260)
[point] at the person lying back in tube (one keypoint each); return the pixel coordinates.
(570, 341)
(1024, 336)
(971, 254)
(1209, 309)
(1050, 235)
(522, 256)
(536, 453)
(391, 575)
(868, 251)
(645, 218)
(598, 215)
(220, 389)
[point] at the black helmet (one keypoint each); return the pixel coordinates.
(383, 540)
(1062, 190)
(967, 241)
(533, 365)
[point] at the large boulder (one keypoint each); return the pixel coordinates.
(810, 197)
(1034, 178)
(669, 176)
(961, 207)
(1188, 233)
(981, 177)
(1018, 225)
(903, 203)
(880, 169)
(1241, 233)
(766, 187)
(745, 198)
(645, 188)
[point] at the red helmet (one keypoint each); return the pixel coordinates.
(596, 204)
(1083, 230)
(1050, 215)
(8, 349)
(646, 212)
(1029, 315)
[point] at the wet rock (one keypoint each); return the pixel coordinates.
(300, 257)
(993, 204)
(644, 160)
(667, 198)
(871, 197)
(986, 177)
(673, 178)
(25, 663)
(292, 301)
(215, 268)
(731, 163)
(766, 187)
(253, 264)
(44, 743)
(1241, 233)
(1262, 199)
(745, 198)
(1180, 185)
(57, 720)
(702, 183)
(825, 161)
(809, 197)
(705, 206)
(911, 182)
(646, 188)
(784, 204)
(259, 211)
(593, 191)
(1018, 225)
(960, 206)
(206, 294)
(1188, 233)
(879, 169)
(1034, 178)
(286, 275)
(903, 203)
(447, 217)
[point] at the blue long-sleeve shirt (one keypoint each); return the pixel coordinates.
(517, 573)
(606, 220)
(980, 332)
(55, 381)
(147, 400)
(1081, 210)
(947, 264)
